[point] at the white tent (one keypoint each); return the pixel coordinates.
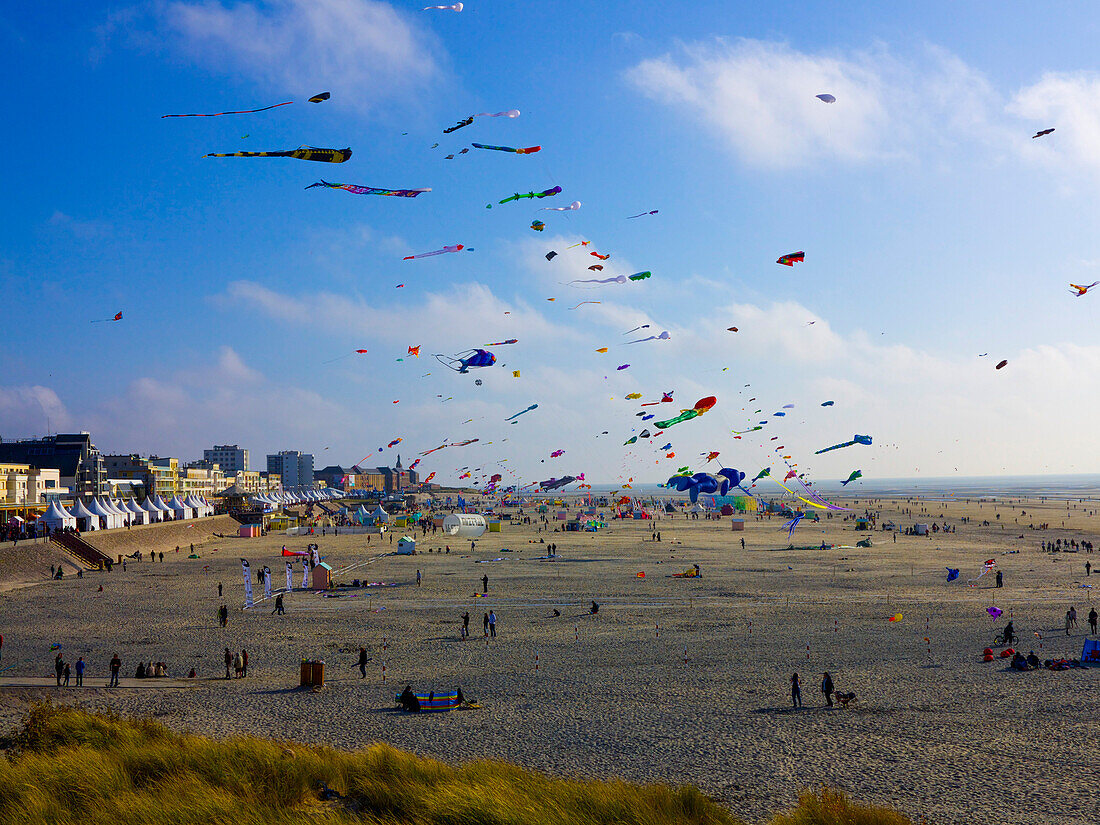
(86, 520)
(380, 515)
(150, 507)
(196, 505)
(166, 512)
(109, 518)
(139, 515)
(179, 509)
(56, 517)
(116, 507)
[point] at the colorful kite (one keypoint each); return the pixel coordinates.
(995, 612)
(641, 214)
(791, 259)
(598, 255)
(414, 351)
(897, 617)
(394, 443)
(320, 98)
(346, 355)
(117, 317)
(538, 226)
(854, 475)
(315, 99)
(856, 439)
(530, 150)
(455, 248)
(454, 444)
(502, 343)
(1079, 290)
(793, 523)
(622, 367)
(355, 189)
(557, 453)
(641, 276)
(301, 153)
(596, 268)
(459, 125)
(952, 574)
(988, 565)
(466, 360)
(632, 396)
(455, 7)
(618, 279)
(701, 406)
(545, 193)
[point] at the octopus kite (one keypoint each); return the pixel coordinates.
(355, 189)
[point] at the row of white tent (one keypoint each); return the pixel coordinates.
(105, 514)
(364, 516)
(300, 495)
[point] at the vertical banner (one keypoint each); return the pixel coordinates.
(247, 583)
(314, 556)
(289, 577)
(305, 573)
(267, 582)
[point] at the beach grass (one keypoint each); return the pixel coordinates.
(69, 765)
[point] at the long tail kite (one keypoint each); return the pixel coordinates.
(512, 113)
(642, 214)
(355, 189)
(545, 193)
(521, 412)
(317, 98)
(455, 248)
(618, 279)
(301, 153)
(530, 150)
(573, 207)
(117, 317)
(856, 439)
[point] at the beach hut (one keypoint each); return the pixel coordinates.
(737, 525)
(920, 529)
(494, 526)
(57, 518)
(406, 546)
(863, 523)
(86, 520)
(180, 510)
(464, 525)
(321, 577)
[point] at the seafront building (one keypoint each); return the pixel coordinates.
(231, 458)
(293, 466)
(78, 462)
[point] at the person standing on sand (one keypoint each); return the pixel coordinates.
(492, 624)
(238, 665)
(59, 667)
(278, 605)
(223, 615)
(796, 691)
(80, 672)
(116, 666)
(228, 662)
(1088, 568)
(1092, 621)
(485, 583)
(1000, 579)
(66, 673)
(219, 590)
(244, 664)
(827, 689)
(418, 578)
(466, 625)
(1073, 615)
(363, 659)
(1069, 622)
(485, 623)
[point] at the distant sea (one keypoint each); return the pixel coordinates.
(1085, 486)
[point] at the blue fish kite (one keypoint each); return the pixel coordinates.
(856, 439)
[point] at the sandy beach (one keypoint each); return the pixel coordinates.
(676, 679)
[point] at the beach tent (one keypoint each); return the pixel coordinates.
(166, 512)
(920, 529)
(115, 507)
(140, 515)
(697, 508)
(56, 517)
(179, 509)
(669, 508)
(380, 515)
(406, 546)
(108, 518)
(86, 520)
(150, 507)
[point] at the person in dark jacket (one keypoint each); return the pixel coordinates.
(827, 689)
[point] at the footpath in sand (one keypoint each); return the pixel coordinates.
(677, 680)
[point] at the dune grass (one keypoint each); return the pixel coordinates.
(66, 765)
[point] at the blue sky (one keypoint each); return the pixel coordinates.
(934, 228)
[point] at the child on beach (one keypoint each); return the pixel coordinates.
(796, 691)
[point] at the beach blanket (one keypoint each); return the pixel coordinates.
(437, 703)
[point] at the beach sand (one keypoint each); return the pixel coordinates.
(675, 680)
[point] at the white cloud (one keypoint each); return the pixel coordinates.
(760, 97)
(361, 49)
(29, 410)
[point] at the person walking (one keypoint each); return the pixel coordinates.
(1069, 622)
(1073, 615)
(418, 578)
(59, 667)
(228, 662)
(66, 674)
(1088, 568)
(223, 615)
(219, 590)
(466, 625)
(1092, 621)
(363, 659)
(80, 672)
(1000, 579)
(244, 664)
(238, 666)
(827, 689)
(485, 623)
(116, 666)
(796, 691)
(278, 605)
(492, 624)
(485, 583)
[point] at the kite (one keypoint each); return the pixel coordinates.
(1081, 290)
(1040, 134)
(512, 113)
(648, 417)
(454, 444)
(346, 355)
(455, 248)
(632, 396)
(301, 153)
(413, 465)
(827, 403)
(515, 373)
(459, 125)
(555, 483)
(641, 276)
(701, 406)
(502, 343)
(582, 303)
(952, 574)
(856, 439)
(710, 456)
(545, 193)
(455, 7)
(767, 471)
(596, 268)
(355, 189)
(315, 99)
(467, 359)
(641, 214)
(530, 150)
(791, 259)
(791, 474)
(557, 453)
(731, 329)
(551, 255)
(988, 565)
(538, 226)
(573, 207)
(664, 336)
(643, 326)
(667, 446)
(793, 523)
(897, 617)
(602, 349)
(995, 612)
(618, 279)
(826, 98)
(521, 412)
(855, 474)
(598, 255)
(1002, 364)
(414, 351)
(622, 367)
(394, 443)
(630, 440)
(117, 317)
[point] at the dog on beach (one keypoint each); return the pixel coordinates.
(844, 699)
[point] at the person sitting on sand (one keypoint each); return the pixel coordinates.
(1019, 662)
(140, 674)
(594, 609)
(1032, 660)
(409, 701)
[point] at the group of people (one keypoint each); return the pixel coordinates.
(239, 663)
(489, 622)
(150, 671)
(64, 671)
(828, 690)
(1071, 620)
